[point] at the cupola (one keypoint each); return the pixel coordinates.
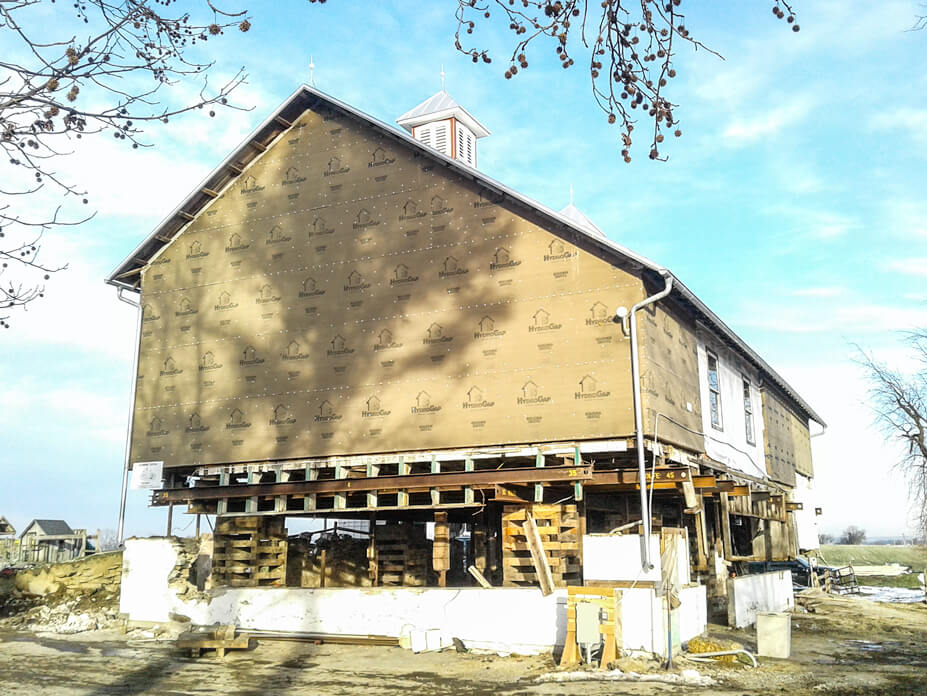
(441, 123)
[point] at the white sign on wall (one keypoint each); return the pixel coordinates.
(147, 475)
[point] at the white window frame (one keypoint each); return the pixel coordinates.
(714, 410)
(749, 422)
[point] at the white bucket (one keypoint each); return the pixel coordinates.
(773, 634)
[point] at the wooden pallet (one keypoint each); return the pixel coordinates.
(401, 555)
(219, 639)
(560, 530)
(249, 552)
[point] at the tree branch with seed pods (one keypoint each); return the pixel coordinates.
(630, 45)
(104, 67)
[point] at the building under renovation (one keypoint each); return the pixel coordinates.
(350, 321)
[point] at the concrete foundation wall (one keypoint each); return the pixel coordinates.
(644, 618)
(513, 620)
(618, 558)
(749, 594)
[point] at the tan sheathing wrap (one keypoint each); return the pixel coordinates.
(669, 378)
(787, 441)
(347, 296)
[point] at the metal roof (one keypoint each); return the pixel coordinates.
(127, 273)
(576, 216)
(438, 106)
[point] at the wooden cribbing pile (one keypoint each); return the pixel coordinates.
(401, 555)
(249, 552)
(559, 532)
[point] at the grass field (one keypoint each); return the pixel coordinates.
(914, 557)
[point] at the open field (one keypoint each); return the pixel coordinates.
(840, 555)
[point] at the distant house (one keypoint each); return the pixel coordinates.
(6, 529)
(51, 541)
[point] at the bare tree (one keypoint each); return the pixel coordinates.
(105, 72)
(852, 535)
(824, 538)
(900, 404)
(107, 540)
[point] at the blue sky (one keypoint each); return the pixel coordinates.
(793, 206)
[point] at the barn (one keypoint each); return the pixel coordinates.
(348, 320)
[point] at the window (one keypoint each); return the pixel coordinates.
(714, 392)
(748, 412)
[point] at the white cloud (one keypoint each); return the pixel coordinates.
(74, 407)
(847, 319)
(910, 266)
(911, 121)
(852, 450)
(768, 123)
(78, 311)
(817, 224)
(826, 291)
(906, 217)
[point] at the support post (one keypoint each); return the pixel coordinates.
(402, 497)
(441, 548)
(309, 502)
(120, 532)
(170, 518)
(435, 492)
(372, 497)
(222, 506)
(341, 499)
(468, 491)
(251, 505)
(539, 488)
(726, 527)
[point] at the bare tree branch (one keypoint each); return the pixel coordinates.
(111, 70)
(899, 402)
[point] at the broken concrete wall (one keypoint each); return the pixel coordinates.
(749, 594)
(85, 576)
(160, 575)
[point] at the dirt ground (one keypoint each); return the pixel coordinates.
(840, 646)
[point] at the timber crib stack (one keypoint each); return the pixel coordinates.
(250, 552)
(402, 555)
(560, 531)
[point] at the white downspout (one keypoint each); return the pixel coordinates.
(120, 533)
(639, 416)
